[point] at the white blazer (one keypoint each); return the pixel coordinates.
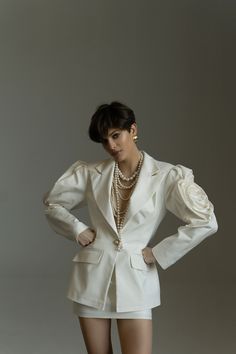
(161, 186)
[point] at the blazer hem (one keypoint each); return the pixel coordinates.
(99, 305)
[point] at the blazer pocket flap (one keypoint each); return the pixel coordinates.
(88, 256)
(138, 262)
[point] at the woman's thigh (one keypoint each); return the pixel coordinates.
(135, 335)
(97, 334)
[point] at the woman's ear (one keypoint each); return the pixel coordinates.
(134, 129)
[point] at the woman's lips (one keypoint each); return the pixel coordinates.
(116, 153)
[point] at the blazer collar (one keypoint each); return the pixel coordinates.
(101, 180)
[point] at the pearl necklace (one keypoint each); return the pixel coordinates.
(115, 195)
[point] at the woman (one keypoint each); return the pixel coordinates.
(115, 270)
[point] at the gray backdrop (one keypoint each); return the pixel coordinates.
(173, 62)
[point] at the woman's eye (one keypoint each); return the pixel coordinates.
(115, 136)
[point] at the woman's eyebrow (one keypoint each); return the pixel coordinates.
(113, 132)
(104, 139)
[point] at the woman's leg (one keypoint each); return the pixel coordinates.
(135, 335)
(97, 334)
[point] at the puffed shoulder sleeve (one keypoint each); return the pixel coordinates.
(68, 193)
(189, 202)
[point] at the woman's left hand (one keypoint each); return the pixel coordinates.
(148, 255)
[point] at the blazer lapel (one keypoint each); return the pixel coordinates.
(101, 180)
(144, 188)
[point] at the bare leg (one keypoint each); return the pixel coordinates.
(135, 336)
(97, 334)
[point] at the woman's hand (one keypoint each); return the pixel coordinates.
(86, 237)
(148, 255)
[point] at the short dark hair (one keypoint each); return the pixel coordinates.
(113, 115)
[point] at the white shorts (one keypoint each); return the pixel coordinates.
(110, 307)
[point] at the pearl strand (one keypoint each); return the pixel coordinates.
(118, 182)
(116, 185)
(127, 178)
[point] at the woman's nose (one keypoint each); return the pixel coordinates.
(111, 145)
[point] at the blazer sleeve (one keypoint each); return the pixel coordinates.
(68, 193)
(190, 203)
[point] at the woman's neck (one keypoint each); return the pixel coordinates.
(129, 166)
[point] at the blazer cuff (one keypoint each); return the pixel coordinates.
(158, 254)
(79, 227)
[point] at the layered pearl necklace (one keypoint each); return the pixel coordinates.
(116, 195)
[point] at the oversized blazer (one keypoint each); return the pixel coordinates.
(161, 186)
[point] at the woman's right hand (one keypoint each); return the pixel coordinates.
(86, 237)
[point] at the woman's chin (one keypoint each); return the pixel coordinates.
(117, 156)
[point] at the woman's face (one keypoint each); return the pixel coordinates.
(119, 143)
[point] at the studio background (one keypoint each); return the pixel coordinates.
(173, 63)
